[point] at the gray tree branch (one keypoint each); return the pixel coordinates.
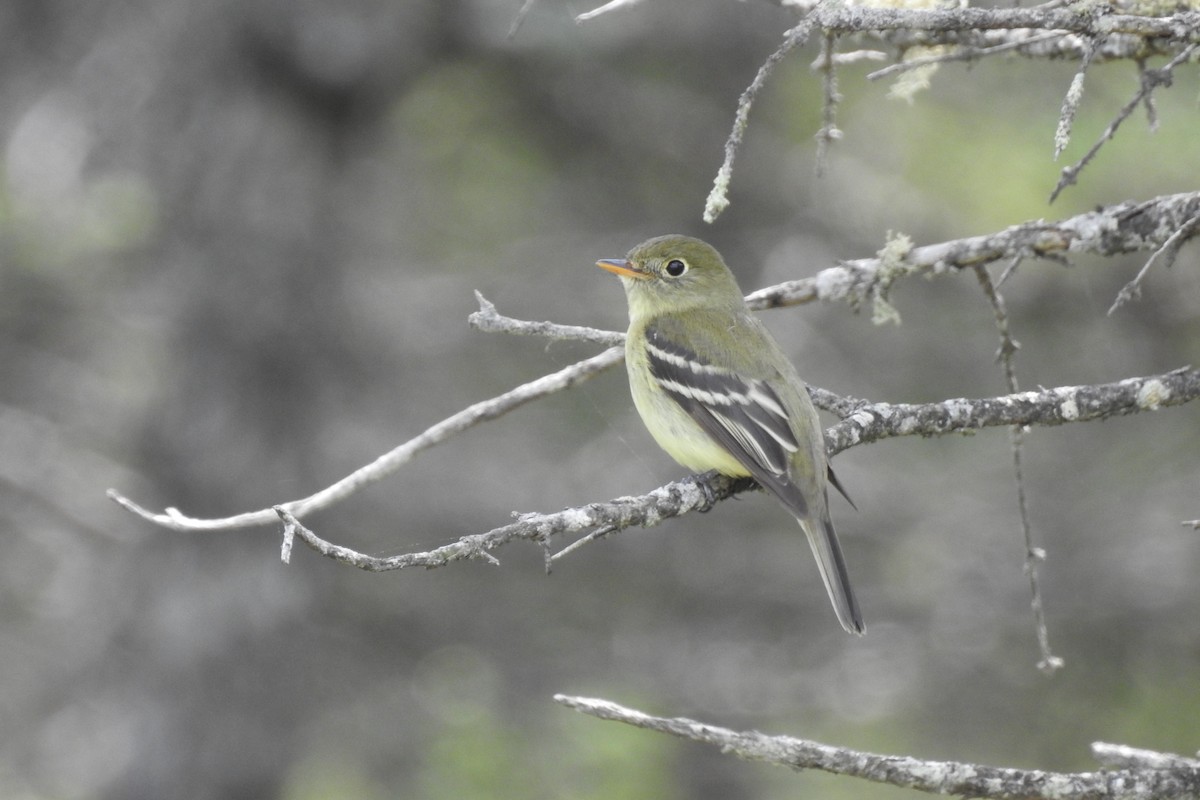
(1108, 231)
(1170, 777)
(865, 422)
(1089, 32)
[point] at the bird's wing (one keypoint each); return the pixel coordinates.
(745, 415)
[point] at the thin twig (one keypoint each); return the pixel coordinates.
(829, 132)
(488, 320)
(1150, 80)
(1122, 756)
(612, 5)
(599, 519)
(1148, 101)
(1049, 662)
(526, 7)
(391, 461)
(854, 57)
(1010, 270)
(1168, 252)
(963, 54)
(934, 777)
(718, 198)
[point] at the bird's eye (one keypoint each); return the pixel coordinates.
(675, 267)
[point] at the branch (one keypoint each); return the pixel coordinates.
(1034, 556)
(1180, 780)
(488, 320)
(872, 422)
(1022, 41)
(866, 422)
(1123, 756)
(1168, 252)
(1111, 230)
(1150, 80)
(718, 198)
(696, 493)
(1091, 33)
(389, 462)
(907, 27)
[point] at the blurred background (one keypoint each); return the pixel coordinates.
(238, 244)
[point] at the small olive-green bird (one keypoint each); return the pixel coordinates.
(717, 393)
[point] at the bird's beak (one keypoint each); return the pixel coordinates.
(623, 267)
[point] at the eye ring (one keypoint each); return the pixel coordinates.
(676, 267)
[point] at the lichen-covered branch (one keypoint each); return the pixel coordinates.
(1134, 226)
(1046, 407)
(1179, 780)
(1090, 32)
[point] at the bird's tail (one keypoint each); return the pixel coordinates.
(828, 552)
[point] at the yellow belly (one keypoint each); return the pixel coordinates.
(676, 432)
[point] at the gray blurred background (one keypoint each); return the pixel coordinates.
(238, 243)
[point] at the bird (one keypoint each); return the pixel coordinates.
(716, 391)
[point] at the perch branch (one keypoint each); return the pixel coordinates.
(1179, 780)
(866, 422)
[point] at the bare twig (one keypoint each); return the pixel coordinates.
(1148, 100)
(871, 422)
(612, 5)
(1121, 756)
(853, 57)
(1049, 662)
(1094, 22)
(487, 319)
(1010, 270)
(526, 7)
(1150, 80)
(718, 198)
(934, 777)
(1168, 252)
(829, 133)
(391, 461)
(964, 53)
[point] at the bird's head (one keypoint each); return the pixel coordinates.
(674, 273)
